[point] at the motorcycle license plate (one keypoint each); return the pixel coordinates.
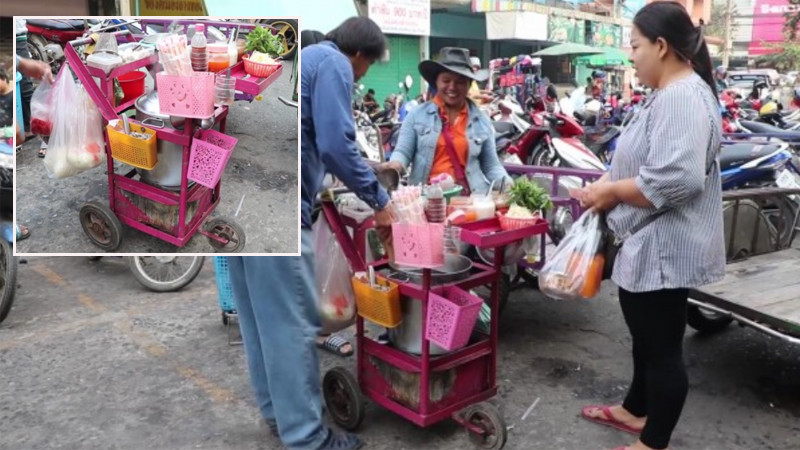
(787, 180)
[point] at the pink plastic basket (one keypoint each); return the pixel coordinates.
(210, 153)
(191, 96)
(509, 223)
(418, 245)
(451, 317)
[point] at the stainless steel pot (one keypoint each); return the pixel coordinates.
(167, 172)
(408, 335)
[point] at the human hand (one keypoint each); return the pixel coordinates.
(396, 165)
(35, 69)
(599, 196)
(385, 217)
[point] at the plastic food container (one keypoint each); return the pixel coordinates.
(104, 61)
(134, 51)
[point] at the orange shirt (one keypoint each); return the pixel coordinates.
(458, 130)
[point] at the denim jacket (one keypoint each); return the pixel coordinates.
(420, 132)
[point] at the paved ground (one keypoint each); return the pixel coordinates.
(91, 360)
(261, 175)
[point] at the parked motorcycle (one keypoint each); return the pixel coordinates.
(163, 273)
(8, 263)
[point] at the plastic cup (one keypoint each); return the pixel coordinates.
(224, 90)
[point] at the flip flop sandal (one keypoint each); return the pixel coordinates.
(42, 153)
(608, 421)
(22, 236)
(334, 344)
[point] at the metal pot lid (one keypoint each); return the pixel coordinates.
(148, 104)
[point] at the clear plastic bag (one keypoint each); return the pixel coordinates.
(575, 270)
(40, 109)
(336, 301)
(77, 142)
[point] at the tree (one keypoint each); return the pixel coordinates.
(716, 25)
(792, 22)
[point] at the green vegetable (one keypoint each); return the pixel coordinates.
(262, 40)
(530, 195)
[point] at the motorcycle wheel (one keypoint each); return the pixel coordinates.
(540, 156)
(8, 278)
(165, 273)
(287, 31)
(706, 321)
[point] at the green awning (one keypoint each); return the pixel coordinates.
(611, 56)
(568, 49)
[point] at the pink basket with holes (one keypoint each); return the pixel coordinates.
(418, 245)
(186, 96)
(209, 156)
(451, 317)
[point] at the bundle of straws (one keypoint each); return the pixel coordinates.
(174, 55)
(409, 204)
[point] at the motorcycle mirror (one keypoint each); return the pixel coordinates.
(409, 81)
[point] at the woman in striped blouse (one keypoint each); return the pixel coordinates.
(665, 175)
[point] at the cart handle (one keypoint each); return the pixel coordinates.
(89, 39)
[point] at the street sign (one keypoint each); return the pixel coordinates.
(169, 7)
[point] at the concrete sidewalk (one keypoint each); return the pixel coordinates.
(91, 360)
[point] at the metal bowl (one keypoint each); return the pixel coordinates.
(456, 268)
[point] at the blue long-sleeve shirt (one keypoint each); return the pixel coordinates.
(328, 130)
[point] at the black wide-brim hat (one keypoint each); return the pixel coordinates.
(451, 59)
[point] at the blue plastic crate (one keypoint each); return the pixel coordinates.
(224, 287)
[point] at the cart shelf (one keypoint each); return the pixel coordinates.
(413, 363)
(250, 84)
(487, 233)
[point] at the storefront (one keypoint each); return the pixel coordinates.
(407, 25)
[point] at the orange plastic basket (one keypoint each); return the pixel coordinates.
(139, 153)
(381, 307)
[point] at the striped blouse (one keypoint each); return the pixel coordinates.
(666, 149)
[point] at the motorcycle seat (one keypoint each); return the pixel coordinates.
(503, 128)
(735, 155)
(57, 24)
(600, 136)
(759, 127)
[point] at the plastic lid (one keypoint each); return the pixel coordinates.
(200, 27)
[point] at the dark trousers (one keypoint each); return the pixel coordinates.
(657, 322)
(26, 87)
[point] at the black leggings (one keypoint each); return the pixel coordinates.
(657, 322)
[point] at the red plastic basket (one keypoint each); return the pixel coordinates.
(451, 317)
(508, 223)
(210, 153)
(259, 70)
(418, 245)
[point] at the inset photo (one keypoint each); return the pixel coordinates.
(156, 135)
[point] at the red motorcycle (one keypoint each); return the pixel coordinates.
(44, 32)
(554, 139)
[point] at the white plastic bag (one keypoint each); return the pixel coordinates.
(575, 270)
(336, 302)
(77, 142)
(40, 109)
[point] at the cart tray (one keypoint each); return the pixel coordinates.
(487, 233)
(250, 84)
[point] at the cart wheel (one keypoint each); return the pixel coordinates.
(226, 229)
(101, 226)
(706, 321)
(487, 417)
(343, 398)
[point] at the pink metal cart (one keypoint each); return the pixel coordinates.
(471, 370)
(101, 223)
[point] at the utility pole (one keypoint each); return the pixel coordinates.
(726, 51)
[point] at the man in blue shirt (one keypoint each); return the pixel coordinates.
(276, 296)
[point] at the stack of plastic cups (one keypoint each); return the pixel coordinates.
(224, 89)
(436, 210)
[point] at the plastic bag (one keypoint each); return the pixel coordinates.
(40, 109)
(77, 142)
(336, 302)
(575, 270)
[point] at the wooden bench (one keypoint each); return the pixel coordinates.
(762, 290)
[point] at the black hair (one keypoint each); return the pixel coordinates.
(359, 35)
(670, 21)
(310, 37)
(371, 91)
(3, 75)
